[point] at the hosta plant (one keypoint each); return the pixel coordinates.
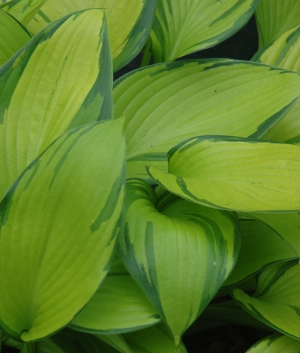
(166, 202)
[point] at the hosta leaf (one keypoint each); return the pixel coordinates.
(59, 223)
(115, 341)
(154, 339)
(129, 23)
(178, 252)
(276, 344)
(182, 27)
(260, 247)
(60, 80)
(274, 18)
(165, 104)
(118, 306)
(287, 226)
(234, 174)
(13, 36)
(283, 52)
(22, 10)
(276, 301)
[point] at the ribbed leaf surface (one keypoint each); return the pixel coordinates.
(276, 17)
(276, 301)
(13, 36)
(234, 174)
(182, 27)
(260, 247)
(118, 306)
(178, 252)
(276, 344)
(167, 103)
(22, 10)
(61, 79)
(129, 23)
(59, 223)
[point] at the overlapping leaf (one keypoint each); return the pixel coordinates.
(59, 223)
(276, 344)
(234, 174)
(276, 17)
(178, 252)
(118, 306)
(276, 300)
(61, 79)
(22, 10)
(167, 103)
(13, 36)
(183, 27)
(129, 23)
(260, 247)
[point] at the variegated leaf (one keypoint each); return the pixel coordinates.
(178, 252)
(276, 344)
(59, 224)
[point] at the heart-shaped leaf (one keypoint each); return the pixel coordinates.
(128, 22)
(276, 300)
(234, 174)
(182, 27)
(178, 252)
(165, 104)
(13, 36)
(60, 80)
(59, 222)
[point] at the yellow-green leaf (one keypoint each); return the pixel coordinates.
(182, 27)
(179, 253)
(234, 174)
(276, 344)
(165, 104)
(59, 224)
(61, 79)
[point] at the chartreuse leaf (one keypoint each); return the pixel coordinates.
(276, 344)
(276, 300)
(282, 52)
(234, 173)
(178, 252)
(129, 23)
(13, 36)
(156, 339)
(115, 341)
(165, 104)
(260, 247)
(22, 10)
(60, 80)
(287, 226)
(274, 18)
(118, 306)
(182, 27)
(59, 223)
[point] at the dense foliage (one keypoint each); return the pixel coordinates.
(166, 201)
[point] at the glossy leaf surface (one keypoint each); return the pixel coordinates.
(276, 300)
(182, 27)
(13, 36)
(59, 223)
(166, 104)
(129, 23)
(234, 174)
(178, 252)
(60, 80)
